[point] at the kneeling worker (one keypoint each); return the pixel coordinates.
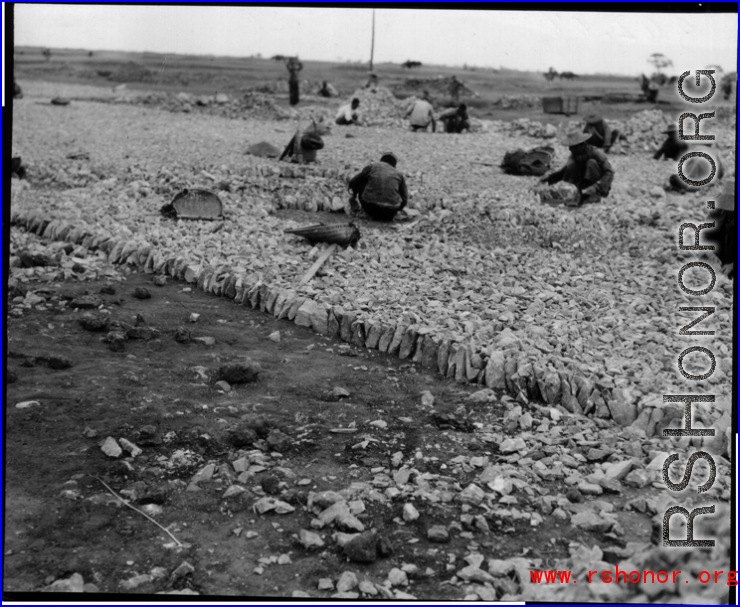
(587, 168)
(381, 189)
(421, 115)
(347, 114)
(602, 135)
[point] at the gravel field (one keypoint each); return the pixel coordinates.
(484, 264)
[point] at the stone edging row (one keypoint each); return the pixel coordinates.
(498, 369)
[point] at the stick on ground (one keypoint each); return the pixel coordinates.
(319, 262)
(125, 503)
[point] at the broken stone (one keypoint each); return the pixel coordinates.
(610, 485)
(74, 583)
(472, 495)
(142, 293)
(205, 474)
(362, 548)
(512, 445)
(339, 392)
(233, 490)
(310, 540)
(410, 513)
(86, 302)
(274, 336)
(617, 470)
(589, 488)
(637, 478)
(397, 577)
(325, 584)
(111, 448)
(204, 341)
(473, 573)
(368, 588)
(223, 386)
(94, 323)
(347, 582)
(438, 533)
(427, 399)
(130, 447)
(116, 341)
(279, 441)
(591, 522)
(239, 373)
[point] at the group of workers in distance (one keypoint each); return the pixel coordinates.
(421, 116)
(380, 189)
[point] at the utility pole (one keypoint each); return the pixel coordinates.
(372, 43)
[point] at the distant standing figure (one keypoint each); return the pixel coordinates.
(381, 189)
(587, 168)
(372, 80)
(602, 135)
(421, 115)
(455, 89)
(673, 148)
(726, 85)
(348, 113)
(294, 66)
(456, 120)
(327, 90)
(47, 54)
(17, 92)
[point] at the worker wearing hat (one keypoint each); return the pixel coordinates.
(673, 148)
(602, 135)
(380, 188)
(724, 234)
(587, 168)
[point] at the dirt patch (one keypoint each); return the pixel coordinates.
(61, 520)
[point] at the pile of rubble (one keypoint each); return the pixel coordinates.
(380, 107)
(518, 101)
(525, 126)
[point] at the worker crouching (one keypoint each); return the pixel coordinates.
(380, 189)
(587, 168)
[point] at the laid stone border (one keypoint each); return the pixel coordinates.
(502, 367)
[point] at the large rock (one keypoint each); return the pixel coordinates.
(363, 548)
(408, 343)
(345, 327)
(494, 374)
(314, 315)
(622, 410)
(617, 470)
(429, 353)
(373, 336)
(395, 345)
(238, 373)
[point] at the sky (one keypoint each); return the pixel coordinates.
(585, 43)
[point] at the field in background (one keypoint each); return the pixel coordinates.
(614, 96)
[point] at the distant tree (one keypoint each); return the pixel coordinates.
(660, 61)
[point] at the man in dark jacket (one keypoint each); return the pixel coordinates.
(673, 148)
(381, 189)
(587, 168)
(602, 135)
(456, 120)
(724, 234)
